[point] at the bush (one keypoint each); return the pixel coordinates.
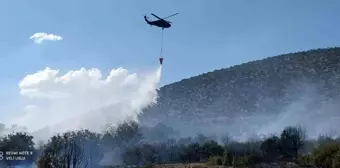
(237, 161)
(227, 159)
(246, 160)
(305, 160)
(336, 160)
(211, 148)
(149, 165)
(327, 156)
(244, 148)
(215, 160)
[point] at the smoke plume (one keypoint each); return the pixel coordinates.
(84, 99)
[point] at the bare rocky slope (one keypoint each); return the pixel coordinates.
(258, 96)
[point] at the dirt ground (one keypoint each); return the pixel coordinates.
(202, 165)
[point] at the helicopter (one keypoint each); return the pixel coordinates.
(161, 22)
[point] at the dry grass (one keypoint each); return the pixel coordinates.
(202, 165)
(182, 165)
(189, 165)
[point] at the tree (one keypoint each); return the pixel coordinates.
(158, 133)
(17, 142)
(62, 151)
(173, 150)
(201, 139)
(185, 141)
(118, 139)
(292, 141)
(128, 134)
(90, 143)
(72, 149)
(210, 148)
(244, 148)
(162, 151)
(225, 139)
(132, 156)
(148, 154)
(190, 153)
(270, 148)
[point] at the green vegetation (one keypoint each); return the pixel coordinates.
(239, 88)
(236, 89)
(86, 149)
(16, 142)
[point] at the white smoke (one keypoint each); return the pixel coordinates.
(83, 99)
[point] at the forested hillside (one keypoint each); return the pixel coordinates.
(263, 87)
(266, 96)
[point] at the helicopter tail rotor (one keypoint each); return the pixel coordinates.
(146, 15)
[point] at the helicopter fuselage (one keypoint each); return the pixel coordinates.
(159, 23)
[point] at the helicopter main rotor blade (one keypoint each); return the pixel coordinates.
(171, 15)
(156, 16)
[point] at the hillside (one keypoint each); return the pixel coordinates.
(299, 83)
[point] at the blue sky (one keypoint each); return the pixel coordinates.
(205, 36)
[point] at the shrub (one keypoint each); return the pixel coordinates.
(211, 148)
(149, 165)
(237, 161)
(215, 160)
(244, 148)
(327, 156)
(246, 160)
(305, 160)
(227, 159)
(336, 160)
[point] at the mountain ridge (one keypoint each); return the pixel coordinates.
(268, 86)
(260, 96)
(253, 61)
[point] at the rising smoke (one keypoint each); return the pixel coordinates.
(307, 104)
(83, 99)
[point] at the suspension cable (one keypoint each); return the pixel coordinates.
(162, 43)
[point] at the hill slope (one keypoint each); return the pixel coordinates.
(264, 91)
